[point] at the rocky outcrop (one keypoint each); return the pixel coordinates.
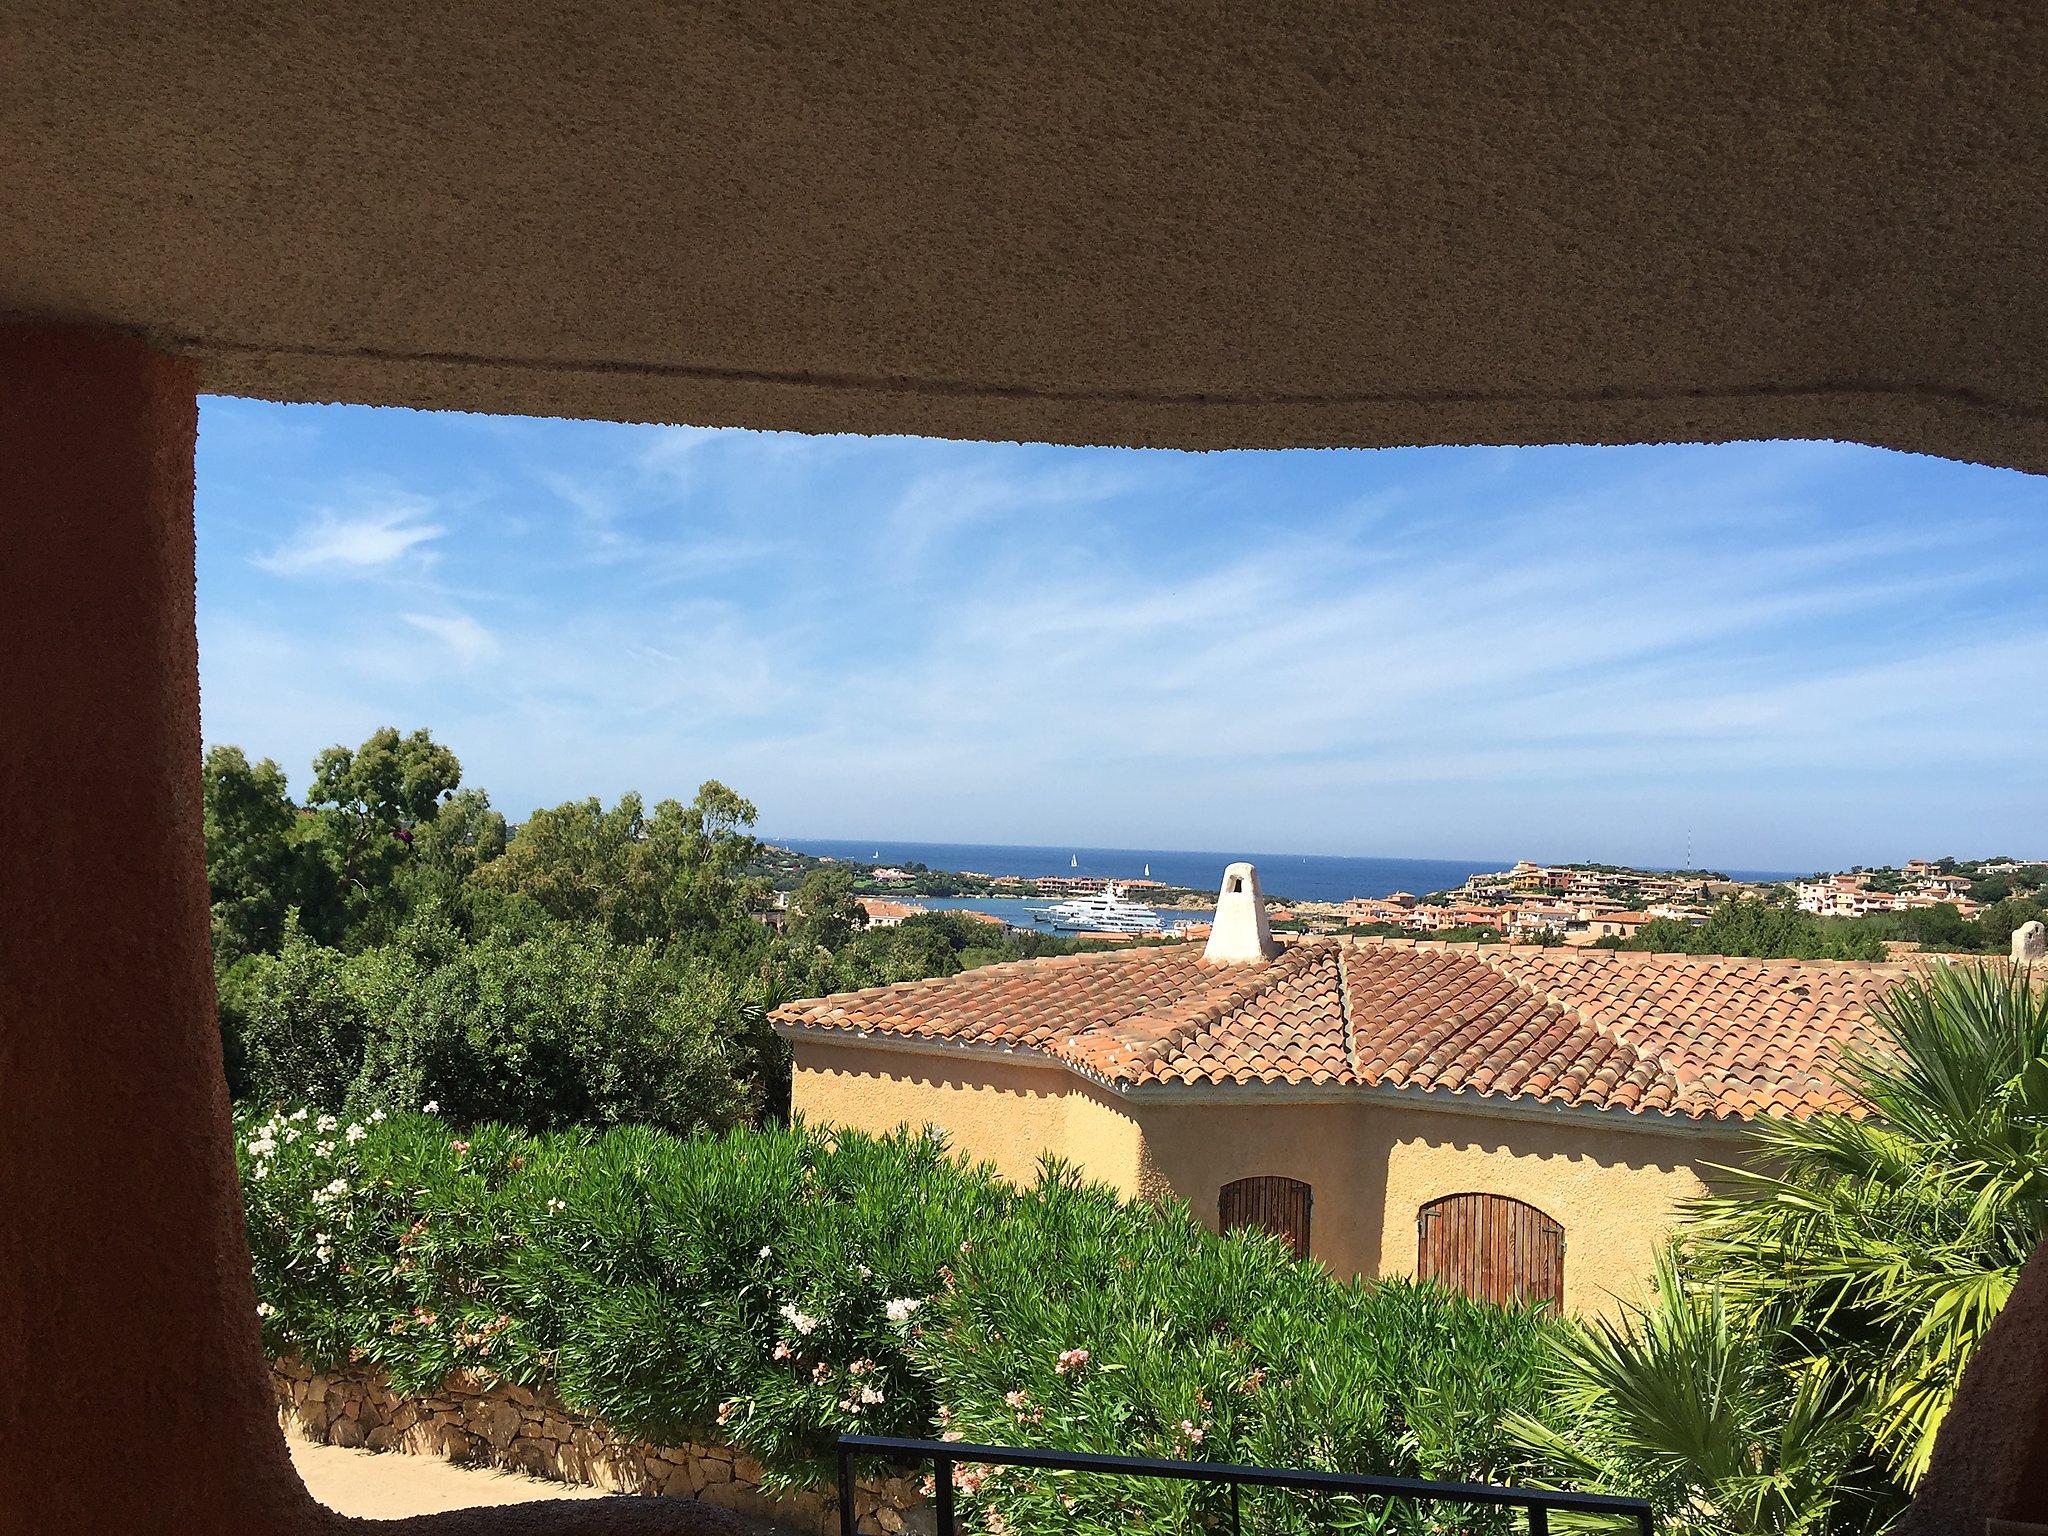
(501, 1425)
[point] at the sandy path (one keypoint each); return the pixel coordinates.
(385, 1487)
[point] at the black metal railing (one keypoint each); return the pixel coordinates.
(944, 1455)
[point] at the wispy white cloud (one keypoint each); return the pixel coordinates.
(463, 635)
(357, 542)
(962, 502)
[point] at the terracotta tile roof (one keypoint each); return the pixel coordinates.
(1699, 1037)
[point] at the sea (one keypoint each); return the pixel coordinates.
(1283, 876)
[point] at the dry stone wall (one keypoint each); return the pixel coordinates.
(500, 1425)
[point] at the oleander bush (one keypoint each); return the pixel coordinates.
(774, 1288)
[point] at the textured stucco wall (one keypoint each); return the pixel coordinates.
(1172, 222)
(121, 1234)
(120, 1220)
(1005, 1113)
(1371, 1166)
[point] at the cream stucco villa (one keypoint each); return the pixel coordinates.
(1513, 1121)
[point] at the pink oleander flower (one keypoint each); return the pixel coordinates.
(1070, 1361)
(782, 1350)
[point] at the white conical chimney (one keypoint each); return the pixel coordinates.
(1240, 933)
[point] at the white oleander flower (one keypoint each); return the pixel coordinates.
(355, 1134)
(302, 1113)
(870, 1395)
(802, 1322)
(767, 1252)
(265, 1309)
(376, 1116)
(558, 1205)
(323, 1149)
(326, 1123)
(431, 1107)
(899, 1310)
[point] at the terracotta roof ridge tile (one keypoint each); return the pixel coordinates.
(1344, 1014)
(1147, 1050)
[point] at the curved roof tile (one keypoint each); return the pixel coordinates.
(1698, 1036)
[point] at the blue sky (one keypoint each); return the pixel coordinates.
(1803, 654)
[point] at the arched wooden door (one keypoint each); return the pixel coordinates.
(1491, 1248)
(1270, 1203)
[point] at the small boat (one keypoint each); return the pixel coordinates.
(1073, 861)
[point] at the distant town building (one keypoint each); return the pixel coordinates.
(1611, 925)
(883, 913)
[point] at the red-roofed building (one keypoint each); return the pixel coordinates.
(1390, 1099)
(884, 913)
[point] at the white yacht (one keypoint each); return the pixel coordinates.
(1106, 913)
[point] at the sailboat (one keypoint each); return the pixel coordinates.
(1073, 861)
(1148, 871)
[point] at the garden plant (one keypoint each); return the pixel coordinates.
(771, 1289)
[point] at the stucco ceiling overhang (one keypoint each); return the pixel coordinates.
(1130, 221)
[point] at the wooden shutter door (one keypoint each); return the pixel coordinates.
(1270, 1203)
(1491, 1248)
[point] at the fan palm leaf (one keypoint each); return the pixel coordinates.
(1887, 1237)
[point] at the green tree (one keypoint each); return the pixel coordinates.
(677, 876)
(255, 870)
(823, 911)
(368, 802)
(461, 837)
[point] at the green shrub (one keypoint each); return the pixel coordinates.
(775, 1288)
(1765, 929)
(294, 1023)
(558, 1027)
(568, 1027)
